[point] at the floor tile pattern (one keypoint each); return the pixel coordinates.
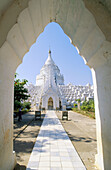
(53, 149)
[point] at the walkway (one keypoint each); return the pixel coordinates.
(27, 118)
(26, 133)
(53, 149)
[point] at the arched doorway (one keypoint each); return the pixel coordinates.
(50, 104)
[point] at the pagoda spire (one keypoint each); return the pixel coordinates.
(49, 55)
(49, 59)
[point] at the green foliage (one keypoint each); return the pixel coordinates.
(17, 105)
(88, 106)
(26, 105)
(78, 100)
(75, 105)
(86, 113)
(20, 92)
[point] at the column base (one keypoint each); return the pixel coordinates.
(14, 162)
(14, 156)
(99, 162)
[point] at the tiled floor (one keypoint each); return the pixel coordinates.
(53, 149)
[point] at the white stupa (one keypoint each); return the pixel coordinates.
(48, 72)
(50, 91)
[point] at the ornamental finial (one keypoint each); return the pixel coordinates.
(49, 50)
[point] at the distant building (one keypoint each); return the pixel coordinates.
(50, 91)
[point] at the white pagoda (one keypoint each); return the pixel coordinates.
(50, 91)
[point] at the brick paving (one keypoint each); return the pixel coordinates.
(53, 149)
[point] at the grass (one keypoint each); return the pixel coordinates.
(86, 113)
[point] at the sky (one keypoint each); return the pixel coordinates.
(64, 54)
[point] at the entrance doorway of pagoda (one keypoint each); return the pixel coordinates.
(50, 104)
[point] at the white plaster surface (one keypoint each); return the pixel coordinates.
(53, 148)
(51, 83)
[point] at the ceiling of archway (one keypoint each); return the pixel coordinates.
(106, 3)
(4, 5)
(101, 10)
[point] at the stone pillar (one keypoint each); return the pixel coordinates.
(102, 90)
(8, 66)
(7, 157)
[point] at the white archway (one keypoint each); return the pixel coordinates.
(50, 103)
(79, 24)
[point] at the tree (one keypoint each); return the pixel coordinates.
(78, 101)
(27, 105)
(88, 105)
(20, 92)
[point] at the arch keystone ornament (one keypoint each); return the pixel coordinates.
(21, 22)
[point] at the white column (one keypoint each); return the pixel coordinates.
(7, 158)
(102, 90)
(101, 64)
(8, 66)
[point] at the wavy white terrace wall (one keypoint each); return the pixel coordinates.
(79, 24)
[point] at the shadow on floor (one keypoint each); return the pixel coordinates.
(21, 144)
(80, 139)
(27, 118)
(24, 143)
(20, 167)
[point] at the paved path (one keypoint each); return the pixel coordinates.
(20, 126)
(53, 149)
(24, 142)
(82, 132)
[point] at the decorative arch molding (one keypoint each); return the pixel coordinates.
(79, 25)
(50, 103)
(54, 98)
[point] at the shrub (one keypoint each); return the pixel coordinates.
(26, 105)
(17, 105)
(75, 105)
(83, 107)
(88, 106)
